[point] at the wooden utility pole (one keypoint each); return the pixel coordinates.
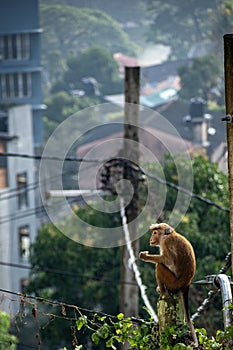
(228, 66)
(129, 289)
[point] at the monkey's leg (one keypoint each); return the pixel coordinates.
(161, 287)
(166, 277)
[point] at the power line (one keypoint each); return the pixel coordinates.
(142, 171)
(30, 212)
(55, 158)
(185, 191)
(134, 167)
(64, 273)
(125, 163)
(26, 297)
(13, 192)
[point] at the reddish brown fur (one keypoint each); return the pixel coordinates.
(175, 266)
(176, 263)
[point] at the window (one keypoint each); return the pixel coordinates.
(3, 125)
(16, 85)
(14, 47)
(22, 190)
(24, 242)
(3, 166)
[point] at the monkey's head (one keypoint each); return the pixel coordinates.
(158, 231)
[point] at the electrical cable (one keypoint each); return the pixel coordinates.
(55, 158)
(124, 162)
(25, 297)
(30, 212)
(30, 186)
(183, 190)
(63, 273)
(41, 209)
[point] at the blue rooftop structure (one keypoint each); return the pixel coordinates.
(20, 69)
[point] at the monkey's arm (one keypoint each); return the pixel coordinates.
(145, 256)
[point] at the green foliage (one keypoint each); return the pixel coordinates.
(76, 29)
(91, 277)
(94, 62)
(180, 24)
(225, 337)
(60, 106)
(144, 335)
(111, 332)
(199, 77)
(67, 271)
(221, 21)
(208, 343)
(174, 337)
(70, 29)
(120, 10)
(210, 183)
(206, 226)
(209, 229)
(7, 340)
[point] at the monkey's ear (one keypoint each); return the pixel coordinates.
(167, 231)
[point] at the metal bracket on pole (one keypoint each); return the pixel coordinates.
(223, 283)
(228, 118)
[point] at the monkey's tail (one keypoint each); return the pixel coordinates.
(185, 301)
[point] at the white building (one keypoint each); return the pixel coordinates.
(17, 201)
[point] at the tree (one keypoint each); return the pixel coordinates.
(69, 30)
(221, 23)
(93, 71)
(7, 340)
(65, 271)
(199, 77)
(60, 106)
(207, 227)
(180, 24)
(121, 11)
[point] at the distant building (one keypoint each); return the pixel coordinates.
(124, 60)
(20, 70)
(17, 200)
(160, 85)
(21, 112)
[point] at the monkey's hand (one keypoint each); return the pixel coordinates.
(144, 255)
